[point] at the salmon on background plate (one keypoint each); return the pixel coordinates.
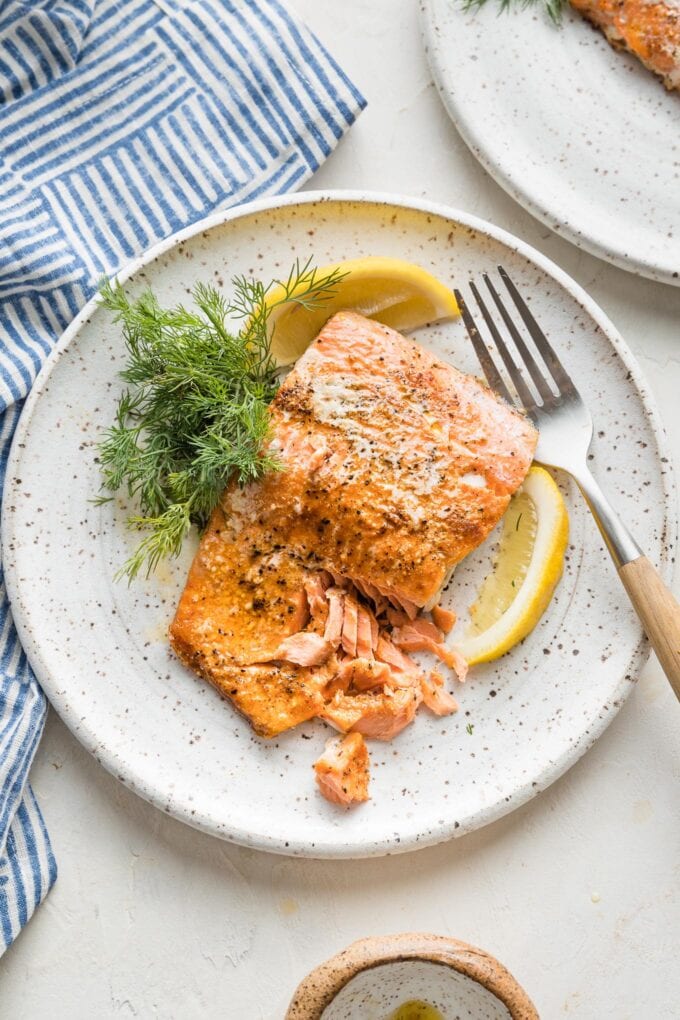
(308, 589)
(648, 29)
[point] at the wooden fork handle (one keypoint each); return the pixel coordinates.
(659, 612)
(657, 609)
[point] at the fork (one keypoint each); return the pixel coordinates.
(565, 432)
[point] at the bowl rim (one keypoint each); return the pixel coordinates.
(321, 986)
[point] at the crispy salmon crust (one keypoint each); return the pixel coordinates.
(649, 30)
(394, 466)
(241, 600)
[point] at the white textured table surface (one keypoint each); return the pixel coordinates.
(577, 892)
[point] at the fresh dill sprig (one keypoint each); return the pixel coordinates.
(196, 409)
(554, 8)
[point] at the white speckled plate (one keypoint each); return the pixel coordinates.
(583, 137)
(99, 648)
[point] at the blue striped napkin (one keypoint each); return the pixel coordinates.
(122, 121)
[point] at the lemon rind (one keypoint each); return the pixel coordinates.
(544, 572)
(438, 299)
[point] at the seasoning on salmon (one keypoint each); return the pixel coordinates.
(377, 714)
(342, 771)
(242, 600)
(362, 674)
(650, 29)
(419, 463)
(306, 595)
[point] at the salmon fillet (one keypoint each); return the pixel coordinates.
(649, 30)
(409, 456)
(395, 466)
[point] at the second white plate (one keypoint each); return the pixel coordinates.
(585, 138)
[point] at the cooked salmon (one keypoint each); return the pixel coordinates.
(649, 29)
(436, 697)
(241, 603)
(377, 714)
(342, 771)
(363, 674)
(445, 619)
(422, 636)
(418, 461)
(307, 591)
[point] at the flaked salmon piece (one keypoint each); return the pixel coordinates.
(435, 697)
(650, 29)
(336, 615)
(408, 607)
(306, 648)
(350, 625)
(364, 633)
(380, 603)
(379, 715)
(396, 617)
(457, 662)
(426, 629)
(363, 674)
(393, 656)
(342, 771)
(316, 596)
(375, 632)
(415, 638)
(444, 619)
(363, 587)
(342, 710)
(389, 715)
(366, 589)
(390, 600)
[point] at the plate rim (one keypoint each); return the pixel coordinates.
(580, 238)
(154, 792)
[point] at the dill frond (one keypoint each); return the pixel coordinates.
(195, 412)
(554, 8)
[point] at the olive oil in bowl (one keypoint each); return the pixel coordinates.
(416, 1009)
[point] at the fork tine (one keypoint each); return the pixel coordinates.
(522, 349)
(523, 392)
(493, 376)
(555, 366)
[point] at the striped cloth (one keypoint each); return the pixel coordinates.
(122, 121)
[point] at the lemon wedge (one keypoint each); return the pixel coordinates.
(529, 564)
(398, 293)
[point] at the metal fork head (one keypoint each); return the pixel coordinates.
(521, 365)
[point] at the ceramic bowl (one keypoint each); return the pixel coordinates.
(373, 977)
